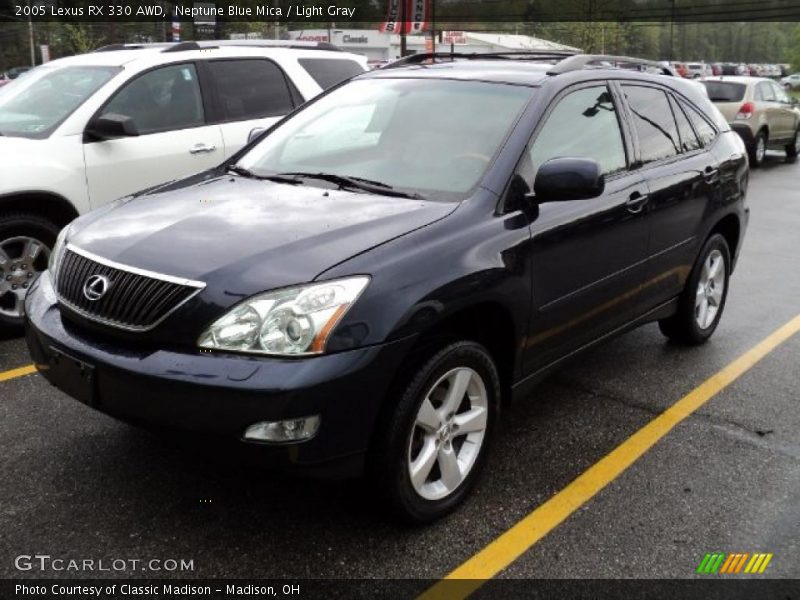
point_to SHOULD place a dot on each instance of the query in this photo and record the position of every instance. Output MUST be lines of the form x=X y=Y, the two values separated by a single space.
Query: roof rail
x=209 y=44
x=184 y=46
x=581 y=61
x=416 y=59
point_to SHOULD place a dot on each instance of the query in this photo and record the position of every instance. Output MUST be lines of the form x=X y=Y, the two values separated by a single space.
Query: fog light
x=291 y=430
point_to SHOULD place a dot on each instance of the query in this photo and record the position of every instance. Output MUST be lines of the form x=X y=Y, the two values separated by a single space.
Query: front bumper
x=222 y=394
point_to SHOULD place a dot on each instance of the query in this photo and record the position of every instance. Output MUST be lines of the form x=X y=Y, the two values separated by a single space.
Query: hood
x=249 y=235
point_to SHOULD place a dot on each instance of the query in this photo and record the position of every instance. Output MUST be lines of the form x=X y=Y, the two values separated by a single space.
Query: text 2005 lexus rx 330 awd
x=367 y=283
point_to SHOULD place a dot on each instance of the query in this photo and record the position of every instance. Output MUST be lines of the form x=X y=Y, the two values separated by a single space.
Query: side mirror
x=111 y=126
x=568 y=179
x=255 y=133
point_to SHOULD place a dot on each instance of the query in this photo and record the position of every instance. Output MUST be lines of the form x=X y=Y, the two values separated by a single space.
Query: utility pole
x=403 y=42
x=30 y=37
x=433 y=26
x=672 y=31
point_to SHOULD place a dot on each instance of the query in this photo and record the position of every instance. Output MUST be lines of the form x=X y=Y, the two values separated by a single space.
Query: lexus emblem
x=96 y=287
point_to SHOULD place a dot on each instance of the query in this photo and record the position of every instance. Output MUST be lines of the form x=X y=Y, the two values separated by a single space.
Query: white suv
x=79 y=132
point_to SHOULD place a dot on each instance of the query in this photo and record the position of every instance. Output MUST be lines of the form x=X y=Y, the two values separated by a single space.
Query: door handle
x=636 y=202
x=202 y=149
x=711 y=175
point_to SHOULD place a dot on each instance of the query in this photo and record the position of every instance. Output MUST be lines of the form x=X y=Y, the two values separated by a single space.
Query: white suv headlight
x=290 y=322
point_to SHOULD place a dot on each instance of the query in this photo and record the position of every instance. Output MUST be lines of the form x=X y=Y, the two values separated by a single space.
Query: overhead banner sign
x=414 y=19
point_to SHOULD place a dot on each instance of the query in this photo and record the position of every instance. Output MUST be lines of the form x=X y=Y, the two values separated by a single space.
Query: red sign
x=415 y=17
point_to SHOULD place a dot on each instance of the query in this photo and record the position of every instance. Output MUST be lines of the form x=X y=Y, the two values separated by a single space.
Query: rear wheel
x=793 y=149
x=431 y=448
x=703 y=299
x=758 y=149
x=25 y=243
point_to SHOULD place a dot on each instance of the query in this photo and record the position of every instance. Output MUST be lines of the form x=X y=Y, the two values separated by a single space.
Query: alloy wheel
x=761 y=148
x=448 y=433
x=22 y=259
x=710 y=290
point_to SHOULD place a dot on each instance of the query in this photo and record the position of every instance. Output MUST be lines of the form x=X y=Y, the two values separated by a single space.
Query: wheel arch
x=730 y=228
x=49 y=205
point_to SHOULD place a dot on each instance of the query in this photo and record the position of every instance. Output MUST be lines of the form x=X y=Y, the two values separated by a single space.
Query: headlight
x=289 y=322
x=58 y=251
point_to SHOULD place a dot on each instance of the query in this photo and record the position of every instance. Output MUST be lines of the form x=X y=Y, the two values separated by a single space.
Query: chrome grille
x=135 y=299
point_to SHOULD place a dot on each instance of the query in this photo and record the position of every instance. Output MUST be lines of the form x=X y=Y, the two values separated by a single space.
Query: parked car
x=15 y=72
x=698 y=70
x=681 y=69
x=760 y=111
x=361 y=288
x=791 y=82
x=79 y=132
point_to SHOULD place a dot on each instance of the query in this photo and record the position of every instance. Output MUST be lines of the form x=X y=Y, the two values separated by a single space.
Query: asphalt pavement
x=77 y=484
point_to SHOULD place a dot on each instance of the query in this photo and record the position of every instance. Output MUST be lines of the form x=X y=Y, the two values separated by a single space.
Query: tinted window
x=584 y=124
x=654 y=123
x=160 y=100
x=723 y=91
x=689 y=140
x=705 y=131
x=328 y=72
x=251 y=89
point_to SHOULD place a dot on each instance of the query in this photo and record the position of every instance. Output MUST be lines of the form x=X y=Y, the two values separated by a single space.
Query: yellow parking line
x=20 y=372
x=505 y=549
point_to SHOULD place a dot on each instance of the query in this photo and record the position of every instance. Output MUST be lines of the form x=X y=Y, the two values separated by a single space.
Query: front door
x=174 y=139
x=587 y=255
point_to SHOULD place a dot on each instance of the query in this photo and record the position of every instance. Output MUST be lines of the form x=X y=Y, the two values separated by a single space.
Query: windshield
x=719 y=91
x=418 y=135
x=34 y=105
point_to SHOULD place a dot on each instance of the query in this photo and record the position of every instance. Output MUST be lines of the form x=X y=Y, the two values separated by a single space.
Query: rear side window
x=764 y=92
x=705 y=131
x=583 y=124
x=689 y=140
x=654 y=123
x=724 y=91
x=250 y=89
x=327 y=72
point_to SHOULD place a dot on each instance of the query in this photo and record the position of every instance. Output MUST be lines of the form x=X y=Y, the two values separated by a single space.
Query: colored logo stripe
x=720 y=562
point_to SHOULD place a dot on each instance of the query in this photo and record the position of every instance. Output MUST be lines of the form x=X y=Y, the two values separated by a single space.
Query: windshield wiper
x=359 y=183
x=251 y=175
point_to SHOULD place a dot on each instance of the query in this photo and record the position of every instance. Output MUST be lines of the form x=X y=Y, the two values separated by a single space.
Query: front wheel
x=701 y=304
x=430 y=451
x=25 y=243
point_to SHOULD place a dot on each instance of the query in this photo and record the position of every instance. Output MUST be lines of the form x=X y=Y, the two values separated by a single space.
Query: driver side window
x=164 y=99
x=584 y=124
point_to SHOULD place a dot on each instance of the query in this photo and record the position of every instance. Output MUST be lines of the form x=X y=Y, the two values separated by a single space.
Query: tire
x=755 y=151
x=793 y=148
x=691 y=325
x=409 y=433
x=18 y=234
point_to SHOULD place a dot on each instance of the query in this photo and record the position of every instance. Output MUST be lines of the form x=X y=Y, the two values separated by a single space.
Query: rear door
x=787 y=111
x=682 y=176
x=175 y=138
x=248 y=93
x=587 y=255
x=768 y=105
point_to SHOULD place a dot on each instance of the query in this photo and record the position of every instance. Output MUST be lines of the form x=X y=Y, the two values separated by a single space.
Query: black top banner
x=375 y=11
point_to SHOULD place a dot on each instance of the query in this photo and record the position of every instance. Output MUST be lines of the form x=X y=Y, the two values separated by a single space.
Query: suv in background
x=760 y=111
x=363 y=288
x=81 y=131
x=698 y=70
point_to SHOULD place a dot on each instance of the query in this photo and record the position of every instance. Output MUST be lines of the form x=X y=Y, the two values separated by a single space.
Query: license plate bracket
x=72 y=376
